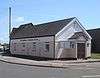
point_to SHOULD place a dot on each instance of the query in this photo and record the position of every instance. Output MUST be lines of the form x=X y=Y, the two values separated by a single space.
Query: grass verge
x=95 y=56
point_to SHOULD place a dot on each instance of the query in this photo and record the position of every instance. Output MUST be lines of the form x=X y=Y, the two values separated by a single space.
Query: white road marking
x=83 y=68
x=91 y=76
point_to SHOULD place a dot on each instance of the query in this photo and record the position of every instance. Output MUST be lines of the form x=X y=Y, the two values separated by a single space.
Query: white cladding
x=53 y=47
x=88 y=48
x=68 y=32
x=41 y=46
x=64 y=37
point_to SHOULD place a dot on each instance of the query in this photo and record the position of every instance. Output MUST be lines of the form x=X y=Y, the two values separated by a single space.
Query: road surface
x=86 y=70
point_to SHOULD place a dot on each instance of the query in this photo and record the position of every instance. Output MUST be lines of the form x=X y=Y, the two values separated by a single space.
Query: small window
x=23 y=50
x=34 y=42
x=47 y=47
x=46 y=42
x=23 y=45
x=72 y=45
x=34 y=46
x=23 y=40
x=88 y=44
x=61 y=45
x=35 y=39
x=30 y=39
x=14 y=48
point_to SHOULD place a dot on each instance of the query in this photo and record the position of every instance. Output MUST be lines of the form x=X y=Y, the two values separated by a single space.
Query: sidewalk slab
x=28 y=62
x=54 y=63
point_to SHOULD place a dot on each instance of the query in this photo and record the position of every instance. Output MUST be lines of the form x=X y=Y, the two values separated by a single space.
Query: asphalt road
x=86 y=70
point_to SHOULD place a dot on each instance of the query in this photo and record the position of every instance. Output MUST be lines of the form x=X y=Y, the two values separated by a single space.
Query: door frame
x=77 y=50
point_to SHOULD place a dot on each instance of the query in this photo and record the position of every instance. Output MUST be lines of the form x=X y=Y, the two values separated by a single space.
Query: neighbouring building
x=1 y=48
x=95 y=34
x=65 y=38
x=6 y=47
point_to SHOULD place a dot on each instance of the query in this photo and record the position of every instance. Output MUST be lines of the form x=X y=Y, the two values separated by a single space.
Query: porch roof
x=79 y=34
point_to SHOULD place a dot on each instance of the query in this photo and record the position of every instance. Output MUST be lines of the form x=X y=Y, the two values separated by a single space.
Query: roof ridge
x=26 y=24
x=44 y=29
x=93 y=29
x=54 y=21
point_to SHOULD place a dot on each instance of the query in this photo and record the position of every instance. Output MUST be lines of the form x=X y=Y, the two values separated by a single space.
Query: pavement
x=84 y=70
x=50 y=63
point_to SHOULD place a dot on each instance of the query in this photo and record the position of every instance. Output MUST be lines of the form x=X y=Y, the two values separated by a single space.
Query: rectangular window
x=64 y=44
x=14 y=48
x=15 y=44
x=47 y=47
x=34 y=42
x=23 y=40
x=88 y=44
x=34 y=46
x=30 y=39
x=72 y=45
x=23 y=50
x=67 y=44
x=23 y=44
x=61 y=44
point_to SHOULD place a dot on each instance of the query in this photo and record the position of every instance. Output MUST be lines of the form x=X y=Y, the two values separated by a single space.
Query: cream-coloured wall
x=33 y=46
x=88 y=49
x=68 y=53
x=66 y=34
x=64 y=50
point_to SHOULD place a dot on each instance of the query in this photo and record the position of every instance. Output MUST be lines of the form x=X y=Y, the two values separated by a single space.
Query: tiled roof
x=78 y=34
x=45 y=29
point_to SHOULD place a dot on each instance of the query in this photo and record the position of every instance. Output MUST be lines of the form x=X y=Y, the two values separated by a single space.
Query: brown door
x=80 y=50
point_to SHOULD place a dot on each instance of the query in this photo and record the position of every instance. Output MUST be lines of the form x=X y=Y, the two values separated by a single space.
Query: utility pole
x=9 y=25
x=9 y=21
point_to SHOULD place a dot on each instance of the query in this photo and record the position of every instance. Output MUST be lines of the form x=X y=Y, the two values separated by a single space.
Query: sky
x=41 y=11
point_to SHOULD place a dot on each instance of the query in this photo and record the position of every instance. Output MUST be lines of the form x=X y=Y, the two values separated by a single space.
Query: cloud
x=19 y=19
x=4 y=37
x=16 y=21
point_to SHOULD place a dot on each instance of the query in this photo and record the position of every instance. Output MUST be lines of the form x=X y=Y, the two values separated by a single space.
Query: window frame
x=47 y=46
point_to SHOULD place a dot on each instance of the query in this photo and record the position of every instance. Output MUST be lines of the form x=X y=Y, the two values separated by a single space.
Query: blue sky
x=40 y=11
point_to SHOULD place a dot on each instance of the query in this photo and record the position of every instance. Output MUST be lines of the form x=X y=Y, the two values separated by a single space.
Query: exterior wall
x=33 y=46
x=68 y=32
x=95 y=43
x=61 y=49
x=64 y=35
x=88 y=48
x=64 y=49
x=68 y=53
